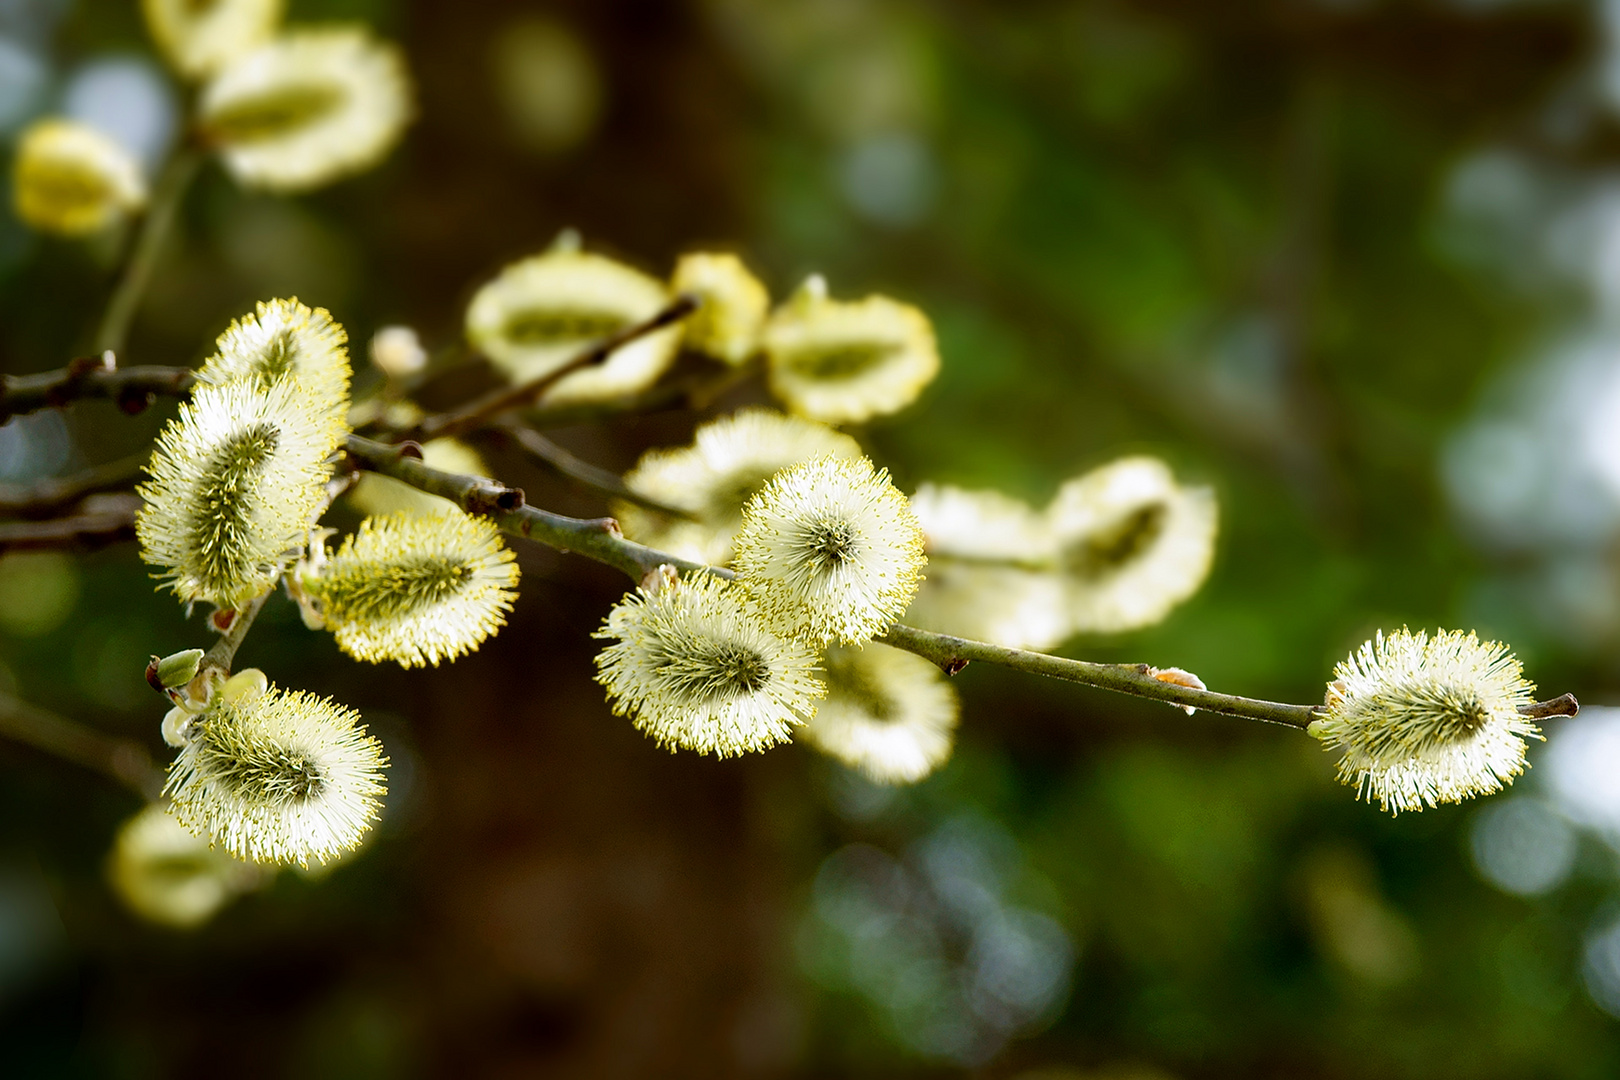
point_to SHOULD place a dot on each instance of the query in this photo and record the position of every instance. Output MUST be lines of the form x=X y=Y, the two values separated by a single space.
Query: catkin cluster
x=283 y=109
x=238 y=482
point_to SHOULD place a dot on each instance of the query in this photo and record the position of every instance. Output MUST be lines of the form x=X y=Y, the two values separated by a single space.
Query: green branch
x=601 y=540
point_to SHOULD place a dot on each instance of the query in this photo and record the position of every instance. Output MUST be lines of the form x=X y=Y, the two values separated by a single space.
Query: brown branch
x=47 y=497
x=598 y=538
x=107 y=520
x=695 y=391
x=548 y=453
x=131 y=389
x=125 y=760
x=481 y=411
x=1562 y=705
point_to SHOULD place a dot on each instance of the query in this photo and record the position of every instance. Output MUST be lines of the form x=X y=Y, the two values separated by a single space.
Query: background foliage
x=1354 y=262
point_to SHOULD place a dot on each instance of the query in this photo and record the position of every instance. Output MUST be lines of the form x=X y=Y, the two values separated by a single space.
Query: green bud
x=175 y=671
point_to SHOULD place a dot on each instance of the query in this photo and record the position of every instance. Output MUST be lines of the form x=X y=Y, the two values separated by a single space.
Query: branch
x=132 y=389
x=953 y=653
x=235 y=624
x=481 y=411
x=131 y=287
x=94 y=528
x=45 y=498
x=602 y=541
x=695 y=391
x=595 y=477
x=122 y=759
x=597 y=538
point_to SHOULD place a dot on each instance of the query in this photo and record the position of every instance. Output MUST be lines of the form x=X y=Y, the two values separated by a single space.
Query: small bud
x=1178 y=677
x=244 y=686
x=176 y=724
x=175 y=670
x=397 y=351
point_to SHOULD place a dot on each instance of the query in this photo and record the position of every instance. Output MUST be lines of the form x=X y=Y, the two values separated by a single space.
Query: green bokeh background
x=1220 y=233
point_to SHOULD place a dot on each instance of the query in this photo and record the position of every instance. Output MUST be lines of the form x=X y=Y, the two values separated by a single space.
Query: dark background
x=1321 y=255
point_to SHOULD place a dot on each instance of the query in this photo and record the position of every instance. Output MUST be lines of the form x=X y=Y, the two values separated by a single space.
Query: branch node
x=132 y=400
x=954 y=665
x=409 y=449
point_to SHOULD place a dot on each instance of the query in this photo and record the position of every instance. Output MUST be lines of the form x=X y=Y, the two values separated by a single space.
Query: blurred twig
x=48 y=496
x=480 y=412
x=89 y=377
x=109 y=520
x=126 y=295
x=122 y=759
x=548 y=453
x=696 y=391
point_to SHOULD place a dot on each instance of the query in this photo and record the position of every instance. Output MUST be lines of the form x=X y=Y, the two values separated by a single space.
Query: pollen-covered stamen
x=708 y=671
x=275 y=773
x=414 y=588
x=694 y=667
x=831 y=543
x=411 y=584
x=830 y=551
x=281 y=340
x=220 y=531
x=236 y=480
x=1423 y=721
x=280 y=353
x=278 y=777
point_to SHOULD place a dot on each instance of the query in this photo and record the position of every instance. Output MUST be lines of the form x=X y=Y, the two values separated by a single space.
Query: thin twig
x=109 y=520
x=953 y=653
x=219 y=657
x=1562 y=705
x=131 y=388
x=481 y=411
x=126 y=295
x=49 y=496
x=122 y=759
x=695 y=391
x=543 y=450
x=597 y=538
